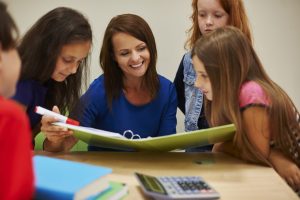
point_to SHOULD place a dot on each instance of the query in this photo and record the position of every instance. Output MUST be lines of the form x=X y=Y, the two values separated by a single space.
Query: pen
x=43 y=111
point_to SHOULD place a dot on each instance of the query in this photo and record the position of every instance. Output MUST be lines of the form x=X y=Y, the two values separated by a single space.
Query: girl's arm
x=256 y=124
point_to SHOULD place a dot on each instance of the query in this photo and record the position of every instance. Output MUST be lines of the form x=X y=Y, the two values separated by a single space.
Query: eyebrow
x=141 y=44
x=72 y=57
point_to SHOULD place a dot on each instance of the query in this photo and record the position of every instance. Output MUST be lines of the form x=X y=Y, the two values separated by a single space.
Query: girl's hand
x=286 y=168
x=56 y=136
x=290 y=172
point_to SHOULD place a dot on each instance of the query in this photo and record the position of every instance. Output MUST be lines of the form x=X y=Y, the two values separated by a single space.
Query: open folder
x=183 y=140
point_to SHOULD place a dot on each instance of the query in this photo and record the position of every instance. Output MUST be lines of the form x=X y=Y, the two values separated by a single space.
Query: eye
x=204 y=76
x=65 y=60
x=124 y=53
x=202 y=14
x=142 y=48
x=219 y=15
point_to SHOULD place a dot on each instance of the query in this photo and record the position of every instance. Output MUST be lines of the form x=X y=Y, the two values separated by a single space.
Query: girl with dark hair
x=54 y=54
x=130 y=95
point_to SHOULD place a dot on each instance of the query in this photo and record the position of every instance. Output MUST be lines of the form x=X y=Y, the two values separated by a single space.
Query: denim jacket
x=193 y=96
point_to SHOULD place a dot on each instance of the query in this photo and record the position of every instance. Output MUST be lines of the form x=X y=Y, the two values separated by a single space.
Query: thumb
x=55 y=109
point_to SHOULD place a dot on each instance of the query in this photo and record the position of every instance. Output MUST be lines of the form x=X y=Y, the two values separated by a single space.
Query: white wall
x=275 y=25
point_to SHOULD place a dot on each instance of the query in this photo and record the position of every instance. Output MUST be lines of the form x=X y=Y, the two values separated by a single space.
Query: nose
x=73 y=67
x=198 y=84
x=135 y=56
x=209 y=20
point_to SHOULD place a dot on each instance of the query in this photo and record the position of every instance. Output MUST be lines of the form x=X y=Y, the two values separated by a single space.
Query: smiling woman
x=56 y=65
x=129 y=95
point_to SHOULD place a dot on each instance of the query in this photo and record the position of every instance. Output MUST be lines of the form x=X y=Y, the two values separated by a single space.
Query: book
x=63 y=179
x=181 y=140
x=116 y=191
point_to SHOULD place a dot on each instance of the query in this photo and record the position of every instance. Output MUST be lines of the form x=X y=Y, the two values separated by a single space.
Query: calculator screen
x=152 y=184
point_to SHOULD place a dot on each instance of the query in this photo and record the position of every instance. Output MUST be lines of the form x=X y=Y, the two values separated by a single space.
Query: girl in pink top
x=238 y=90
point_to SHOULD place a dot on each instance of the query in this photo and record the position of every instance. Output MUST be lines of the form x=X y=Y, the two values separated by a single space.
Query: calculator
x=176 y=187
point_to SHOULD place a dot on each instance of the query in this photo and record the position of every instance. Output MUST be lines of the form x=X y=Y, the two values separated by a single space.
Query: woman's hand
x=57 y=138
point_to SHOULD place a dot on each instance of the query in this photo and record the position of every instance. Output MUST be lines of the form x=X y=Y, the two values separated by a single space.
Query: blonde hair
x=230 y=61
x=237 y=17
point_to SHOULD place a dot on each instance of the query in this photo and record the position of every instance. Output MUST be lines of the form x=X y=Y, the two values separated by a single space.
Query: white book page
x=89 y=130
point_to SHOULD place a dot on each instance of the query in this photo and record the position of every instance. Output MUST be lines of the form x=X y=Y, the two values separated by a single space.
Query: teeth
x=138 y=65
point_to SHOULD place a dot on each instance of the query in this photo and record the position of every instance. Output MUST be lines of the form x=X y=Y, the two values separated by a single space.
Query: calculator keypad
x=185 y=185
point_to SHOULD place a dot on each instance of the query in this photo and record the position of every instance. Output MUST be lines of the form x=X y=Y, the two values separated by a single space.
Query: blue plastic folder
x=62 y=179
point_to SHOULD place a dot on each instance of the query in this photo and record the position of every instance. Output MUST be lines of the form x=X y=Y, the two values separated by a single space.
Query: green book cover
x=116 y=191
x=181 y=140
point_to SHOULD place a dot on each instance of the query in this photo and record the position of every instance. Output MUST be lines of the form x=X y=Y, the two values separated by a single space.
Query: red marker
x=43 y=111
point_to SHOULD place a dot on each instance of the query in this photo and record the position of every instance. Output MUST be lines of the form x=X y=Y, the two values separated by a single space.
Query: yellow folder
x=181 y=140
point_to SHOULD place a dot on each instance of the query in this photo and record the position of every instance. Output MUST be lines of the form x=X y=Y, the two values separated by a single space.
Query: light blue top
x=155 y=118
x=193 y=96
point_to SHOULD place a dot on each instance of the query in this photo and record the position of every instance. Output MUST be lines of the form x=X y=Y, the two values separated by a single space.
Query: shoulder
x=165 y=83
x=97 y=83
x=97 y=86
x=187 y=55
x=29 y=84
x=28 y=90
x=252 y=93
x=167 y=89
x=95 y=91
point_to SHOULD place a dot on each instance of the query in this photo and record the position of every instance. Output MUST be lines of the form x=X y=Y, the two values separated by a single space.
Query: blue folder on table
x=63 y=179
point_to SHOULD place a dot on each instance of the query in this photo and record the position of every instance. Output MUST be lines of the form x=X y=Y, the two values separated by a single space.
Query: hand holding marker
x=42 y=111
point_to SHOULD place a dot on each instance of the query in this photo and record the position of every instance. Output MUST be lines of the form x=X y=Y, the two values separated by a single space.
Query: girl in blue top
x=54 y=54
x=130 y=95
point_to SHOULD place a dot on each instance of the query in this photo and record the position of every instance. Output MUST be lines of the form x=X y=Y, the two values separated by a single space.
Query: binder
x=181 y=140
x=63 y=179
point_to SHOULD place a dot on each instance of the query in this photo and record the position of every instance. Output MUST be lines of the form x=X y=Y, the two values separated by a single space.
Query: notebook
x=117 y=191
x=183 y=140
x=63 y=179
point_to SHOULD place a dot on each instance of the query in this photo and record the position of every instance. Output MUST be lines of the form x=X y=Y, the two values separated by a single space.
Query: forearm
x=277 y=158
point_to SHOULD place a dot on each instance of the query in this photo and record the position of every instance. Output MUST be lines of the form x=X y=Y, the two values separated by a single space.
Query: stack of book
x=63 y=179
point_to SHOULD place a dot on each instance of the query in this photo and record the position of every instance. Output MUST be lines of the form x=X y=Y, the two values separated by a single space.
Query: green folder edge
x=163 y=143
x=115 y=187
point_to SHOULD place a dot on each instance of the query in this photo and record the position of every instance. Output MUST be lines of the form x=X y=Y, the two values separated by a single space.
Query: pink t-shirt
x=252 y=93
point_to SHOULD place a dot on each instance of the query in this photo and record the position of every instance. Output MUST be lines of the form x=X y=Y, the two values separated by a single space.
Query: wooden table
x=232 y=178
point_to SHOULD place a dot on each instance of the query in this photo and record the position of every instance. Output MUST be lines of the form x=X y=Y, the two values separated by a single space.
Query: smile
x=137 y=65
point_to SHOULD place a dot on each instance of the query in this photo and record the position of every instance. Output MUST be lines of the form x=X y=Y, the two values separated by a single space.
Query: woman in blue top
x=130 y=95
x=54 y=54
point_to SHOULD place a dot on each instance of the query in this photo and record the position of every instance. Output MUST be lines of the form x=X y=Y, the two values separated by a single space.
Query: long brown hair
x=230 y=61
x=237 y=17
x=45 y=39
x=137 y=27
